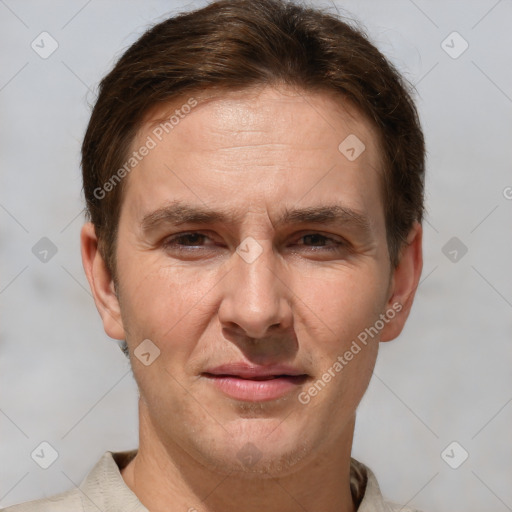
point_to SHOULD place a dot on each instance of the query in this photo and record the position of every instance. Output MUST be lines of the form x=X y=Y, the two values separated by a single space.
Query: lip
x=255 y=383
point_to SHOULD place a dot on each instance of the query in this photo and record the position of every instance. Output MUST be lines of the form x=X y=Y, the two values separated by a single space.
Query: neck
x=166 y=478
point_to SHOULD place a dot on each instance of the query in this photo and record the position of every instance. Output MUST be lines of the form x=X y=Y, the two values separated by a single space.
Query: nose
x=256 y=302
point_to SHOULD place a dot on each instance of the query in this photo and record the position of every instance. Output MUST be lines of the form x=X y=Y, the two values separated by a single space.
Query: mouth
x=297 y=378
x=256 y=388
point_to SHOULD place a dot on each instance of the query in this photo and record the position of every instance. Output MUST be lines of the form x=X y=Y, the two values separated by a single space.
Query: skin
x=252 y=154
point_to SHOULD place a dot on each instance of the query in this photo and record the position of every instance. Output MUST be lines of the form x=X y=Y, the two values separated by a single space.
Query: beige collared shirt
x=104 y=490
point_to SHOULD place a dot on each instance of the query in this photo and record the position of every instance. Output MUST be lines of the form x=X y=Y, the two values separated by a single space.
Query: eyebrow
x=177 y=213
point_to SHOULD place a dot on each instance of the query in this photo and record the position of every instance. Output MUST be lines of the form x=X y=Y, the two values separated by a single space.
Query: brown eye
x=318 y=240
x=315 y=239
x=189 y=239
x=186 y=241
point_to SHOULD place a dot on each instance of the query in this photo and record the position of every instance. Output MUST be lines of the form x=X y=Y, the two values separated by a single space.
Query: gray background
x=447 y=378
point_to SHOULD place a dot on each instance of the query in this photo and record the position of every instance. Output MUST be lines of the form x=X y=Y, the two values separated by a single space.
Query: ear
x=403 y=284
x=101 y=283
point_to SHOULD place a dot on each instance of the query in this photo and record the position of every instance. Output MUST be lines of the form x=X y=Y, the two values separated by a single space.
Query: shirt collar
x=104 y=488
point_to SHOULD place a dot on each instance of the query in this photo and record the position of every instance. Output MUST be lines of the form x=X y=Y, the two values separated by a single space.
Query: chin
x=259 y=465
x=257 y=453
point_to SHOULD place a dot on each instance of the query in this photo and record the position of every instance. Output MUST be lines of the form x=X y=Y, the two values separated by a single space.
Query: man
x=253 y=173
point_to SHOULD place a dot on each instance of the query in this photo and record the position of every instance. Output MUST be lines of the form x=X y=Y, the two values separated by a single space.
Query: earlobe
x=404 y=282
x=101 y=283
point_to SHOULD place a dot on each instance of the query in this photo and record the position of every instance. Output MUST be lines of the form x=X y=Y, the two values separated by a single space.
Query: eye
x=318 y=241
x=186 y=241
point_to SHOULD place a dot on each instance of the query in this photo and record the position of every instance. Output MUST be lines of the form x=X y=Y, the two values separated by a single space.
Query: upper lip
x=247 y=371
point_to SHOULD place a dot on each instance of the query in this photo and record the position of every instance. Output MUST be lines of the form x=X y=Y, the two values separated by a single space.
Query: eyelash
x=171 y=241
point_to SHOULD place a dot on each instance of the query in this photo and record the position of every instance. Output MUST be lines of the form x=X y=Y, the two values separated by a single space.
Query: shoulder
x=64 y=502
x=102 y=489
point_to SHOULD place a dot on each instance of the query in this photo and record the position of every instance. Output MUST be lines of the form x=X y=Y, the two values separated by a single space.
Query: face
x=252 y=254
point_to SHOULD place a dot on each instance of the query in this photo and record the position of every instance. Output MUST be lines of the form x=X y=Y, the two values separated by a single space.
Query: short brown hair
x=237 y=44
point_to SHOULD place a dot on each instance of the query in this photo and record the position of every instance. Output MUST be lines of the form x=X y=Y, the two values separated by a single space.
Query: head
x=253 y=173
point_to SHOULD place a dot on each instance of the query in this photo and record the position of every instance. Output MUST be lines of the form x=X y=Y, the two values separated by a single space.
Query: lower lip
x=256 y=390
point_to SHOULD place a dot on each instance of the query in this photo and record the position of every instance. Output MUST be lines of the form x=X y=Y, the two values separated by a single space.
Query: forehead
x=281 y=112
x=264 y=143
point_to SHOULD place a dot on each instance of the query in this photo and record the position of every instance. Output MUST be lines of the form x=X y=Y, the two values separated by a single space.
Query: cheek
x=334 y=319
x=165 y=304
x=342 y=303
x=333 y=323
